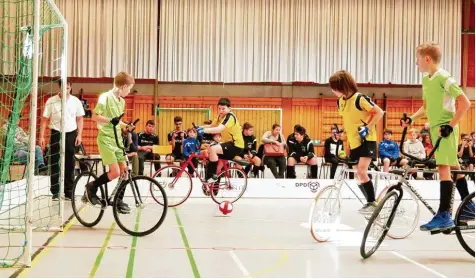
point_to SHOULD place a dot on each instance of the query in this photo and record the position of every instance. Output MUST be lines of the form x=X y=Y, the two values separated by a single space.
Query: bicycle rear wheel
x=326 y=213
x=407 y=215
x=176 y=182
x=87 y=214
x=379 y=224
x=465 y=224
x=230 y=186
x=146 y=213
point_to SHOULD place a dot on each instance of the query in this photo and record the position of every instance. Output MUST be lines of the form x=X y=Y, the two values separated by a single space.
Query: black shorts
x=393 y=160
x=176 y=156
x=368 y=149
x=230 y=151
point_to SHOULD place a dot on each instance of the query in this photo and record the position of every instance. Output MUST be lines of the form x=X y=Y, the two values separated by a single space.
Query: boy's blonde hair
x=430 y=49
x=123 y=78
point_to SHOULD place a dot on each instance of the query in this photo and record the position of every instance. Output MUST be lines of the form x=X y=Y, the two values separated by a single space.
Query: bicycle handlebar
x=422 y=161
x=115 y=132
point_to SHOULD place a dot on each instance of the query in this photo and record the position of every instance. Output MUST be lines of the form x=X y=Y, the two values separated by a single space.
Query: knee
x=312 y=161
x=291 y=161
x=386 y=161
x=114 y=172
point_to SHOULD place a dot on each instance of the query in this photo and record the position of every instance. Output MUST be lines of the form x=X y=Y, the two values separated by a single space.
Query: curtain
x=110 y=36
x=304 y=40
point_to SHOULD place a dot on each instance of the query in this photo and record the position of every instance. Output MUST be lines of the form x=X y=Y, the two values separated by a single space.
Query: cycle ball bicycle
x=140 y=192
x=382 y=219
x=178 y=182
x=326 y=210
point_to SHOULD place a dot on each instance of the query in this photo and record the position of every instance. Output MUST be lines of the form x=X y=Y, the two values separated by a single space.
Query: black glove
x=446 y=130
x=116 y=120
x=405 y=119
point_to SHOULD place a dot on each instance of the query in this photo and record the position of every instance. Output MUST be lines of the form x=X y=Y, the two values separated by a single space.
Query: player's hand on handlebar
x=405 y=121
x=114 y=121
x=446 y=130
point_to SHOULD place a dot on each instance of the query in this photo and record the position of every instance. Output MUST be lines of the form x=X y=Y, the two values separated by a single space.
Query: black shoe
x=123 y=208
x=90 y=196
x=55 y=197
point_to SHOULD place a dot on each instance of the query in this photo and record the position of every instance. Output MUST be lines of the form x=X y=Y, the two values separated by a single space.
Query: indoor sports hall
x=238 y=138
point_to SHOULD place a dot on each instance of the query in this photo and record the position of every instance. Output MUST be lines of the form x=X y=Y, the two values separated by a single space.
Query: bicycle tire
x=394 y=234
x=170 y=197
x=74 y=203
x=121 y=189
x=214 y=193
x=459 y=214
x=372 y=221
x=333 y=227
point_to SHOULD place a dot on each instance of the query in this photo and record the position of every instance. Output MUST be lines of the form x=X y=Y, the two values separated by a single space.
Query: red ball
x=226 y=207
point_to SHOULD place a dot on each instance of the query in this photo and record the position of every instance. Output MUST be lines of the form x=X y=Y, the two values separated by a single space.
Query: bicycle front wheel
x=176 y=182
x=145 y=214
x=326 y=213
x=465 y=224
x=407 y=215
x=87 y=214
x=379 y=224
x=230 y=186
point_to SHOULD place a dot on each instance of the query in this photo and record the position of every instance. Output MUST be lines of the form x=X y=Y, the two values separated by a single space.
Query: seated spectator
x=147 y=139
x=191 y=145
x=466 y=152
x=426 y=129
x=301 y=150
x=175 y=138
x=330 y=150
x=389 y=152
x=275 y=137
x=249 y=152
x=413 y=146
x=426 y=140
x=131 y=144
x=21 y=146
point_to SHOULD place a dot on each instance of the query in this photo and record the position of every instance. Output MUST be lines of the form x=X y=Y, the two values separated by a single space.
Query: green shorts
x=109 y=151
x=447 y=152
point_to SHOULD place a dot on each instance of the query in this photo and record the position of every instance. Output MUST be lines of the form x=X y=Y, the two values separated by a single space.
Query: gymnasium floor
x=261 y=238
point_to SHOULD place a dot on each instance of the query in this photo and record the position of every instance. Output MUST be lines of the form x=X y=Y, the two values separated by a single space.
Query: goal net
x=33 y=36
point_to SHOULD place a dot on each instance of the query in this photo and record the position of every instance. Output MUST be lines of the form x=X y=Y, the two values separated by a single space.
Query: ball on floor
x=225 y=207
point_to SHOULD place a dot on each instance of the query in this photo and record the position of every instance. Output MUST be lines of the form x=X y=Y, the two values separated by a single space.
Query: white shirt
x=74 y=108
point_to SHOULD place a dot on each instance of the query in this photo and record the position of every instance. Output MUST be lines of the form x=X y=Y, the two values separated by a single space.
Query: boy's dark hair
x=275 y=125
x=296 y=126
x=190 y=130
x=387 y=131
x=207 y=122
x=247 y=125
x=177 y=119
x=343 y=82
x=150 y=122
x=224 y=102
x=300 y=130
x=472 y=134
x=68 y=81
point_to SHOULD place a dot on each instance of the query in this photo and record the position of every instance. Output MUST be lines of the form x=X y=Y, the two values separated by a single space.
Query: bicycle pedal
x=447 y=231
x=435 y=232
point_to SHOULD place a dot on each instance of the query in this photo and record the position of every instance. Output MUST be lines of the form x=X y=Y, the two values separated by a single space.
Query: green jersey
x=439 y=93
x=109 y=106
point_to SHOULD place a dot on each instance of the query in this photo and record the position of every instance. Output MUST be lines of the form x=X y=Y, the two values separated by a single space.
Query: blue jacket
x=388 y=149
x=190 y=145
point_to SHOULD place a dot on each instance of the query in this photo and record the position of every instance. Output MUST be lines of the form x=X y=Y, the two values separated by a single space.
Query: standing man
x=73 y=128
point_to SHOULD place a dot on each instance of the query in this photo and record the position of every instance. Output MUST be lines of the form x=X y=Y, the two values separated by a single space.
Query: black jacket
x=301 y=149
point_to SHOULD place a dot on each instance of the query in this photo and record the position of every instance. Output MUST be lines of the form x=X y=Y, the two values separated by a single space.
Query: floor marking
x=40 y=254
x=240 y=265
x=308 y=269
x=101 y=252
x=418 y=264
x=191 y=259
x=132 y=253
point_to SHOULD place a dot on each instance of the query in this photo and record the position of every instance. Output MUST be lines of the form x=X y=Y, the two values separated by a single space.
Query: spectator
x=332 y=146
x=389 y=152
x=175 y=138
x=413 y=146
x=73 y=129
x=275 y=137
x=249 y=152
x=21 y=146
x=191 y=145
x=147 y=140
x=466 y=152
x=131 y=144
x=426 y=140
x=301 y=150
x=425 y=130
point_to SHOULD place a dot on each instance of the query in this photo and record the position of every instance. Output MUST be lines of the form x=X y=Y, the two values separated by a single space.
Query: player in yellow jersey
x=360 y=115
x=226 y=122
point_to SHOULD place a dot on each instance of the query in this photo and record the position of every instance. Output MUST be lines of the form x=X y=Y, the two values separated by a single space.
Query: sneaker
x=368 y=208
x=123 y=208
x=441 y=221
x=55 y=197
x=468 y=212
x=90 y=196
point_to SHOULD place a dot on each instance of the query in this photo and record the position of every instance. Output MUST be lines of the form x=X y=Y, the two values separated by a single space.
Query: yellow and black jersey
x=232 y=127
x=355 y=110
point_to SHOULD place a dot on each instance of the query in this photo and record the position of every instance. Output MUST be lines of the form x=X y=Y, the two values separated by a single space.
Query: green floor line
x=101 y=252
x=193 y=264
x=132 y=254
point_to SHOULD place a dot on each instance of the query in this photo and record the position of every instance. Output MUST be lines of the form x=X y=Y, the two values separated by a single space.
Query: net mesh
x=16 y=82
